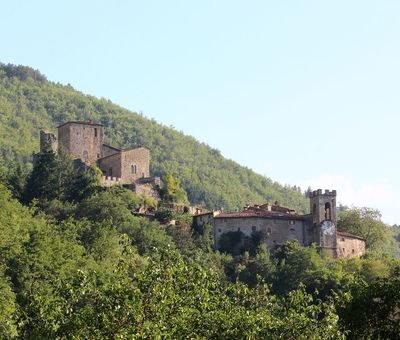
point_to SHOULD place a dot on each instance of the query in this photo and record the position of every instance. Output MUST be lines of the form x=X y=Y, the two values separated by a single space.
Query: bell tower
x=323 y=212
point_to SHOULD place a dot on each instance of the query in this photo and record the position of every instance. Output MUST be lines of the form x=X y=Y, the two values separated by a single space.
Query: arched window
x=133 y=169
x=85 y=156
x=328 y=211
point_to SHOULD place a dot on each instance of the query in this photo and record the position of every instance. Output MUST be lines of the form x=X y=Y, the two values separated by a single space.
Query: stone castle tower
x=323 y=212
x=83 y=140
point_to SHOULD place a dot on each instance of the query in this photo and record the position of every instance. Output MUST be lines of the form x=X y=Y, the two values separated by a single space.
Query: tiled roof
x=344 y=234
x=80 y=122
x=111 y=147
x=261 y=214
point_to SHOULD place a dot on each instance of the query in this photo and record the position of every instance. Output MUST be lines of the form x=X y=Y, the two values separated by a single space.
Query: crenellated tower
x=323 y=212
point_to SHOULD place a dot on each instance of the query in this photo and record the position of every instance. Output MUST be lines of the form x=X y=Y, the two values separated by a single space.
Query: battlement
x=319 y=192
x=108 y=181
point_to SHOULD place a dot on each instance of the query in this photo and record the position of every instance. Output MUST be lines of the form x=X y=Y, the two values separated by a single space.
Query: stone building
x=279 y=224
x=84 y=141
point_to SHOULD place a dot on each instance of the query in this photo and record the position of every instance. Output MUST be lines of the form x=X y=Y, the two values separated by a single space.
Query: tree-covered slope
x=29 y=102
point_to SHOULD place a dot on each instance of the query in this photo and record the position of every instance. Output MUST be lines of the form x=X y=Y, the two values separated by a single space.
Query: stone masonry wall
x=276 y=231
x=139 y=159
x=111 y=165
x=81 y=140
x=350 y=247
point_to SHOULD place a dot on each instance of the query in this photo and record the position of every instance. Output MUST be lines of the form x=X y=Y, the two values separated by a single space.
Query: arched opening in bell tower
x=328 y=215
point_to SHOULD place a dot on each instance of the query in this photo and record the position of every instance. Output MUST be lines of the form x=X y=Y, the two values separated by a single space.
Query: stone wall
x=135 y=164
x=82 y=140
x=275 y=231
x=148 y=190
x=111 y=166
x=348 y=246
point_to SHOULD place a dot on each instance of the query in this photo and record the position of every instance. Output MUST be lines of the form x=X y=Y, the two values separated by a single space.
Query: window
x=327 y=211
x=343 y=239
x=253 y=228
x=344 y=250
x=110 y=172
x=133 y=169
x=95 y=132
x=352 y=251
x=269 y=231
x=142 y=174
x=292 y=222
x=219 y=230
x=98 y=155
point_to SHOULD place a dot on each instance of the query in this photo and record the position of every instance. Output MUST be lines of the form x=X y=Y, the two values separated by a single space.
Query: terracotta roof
x=204 y=213
x=136 y=147
x=81 y=122
x=344 y=234
x=261 y=214
x=118 y=153
x=111 y=147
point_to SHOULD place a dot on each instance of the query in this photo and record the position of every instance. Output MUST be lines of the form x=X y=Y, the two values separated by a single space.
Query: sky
x=304 y=92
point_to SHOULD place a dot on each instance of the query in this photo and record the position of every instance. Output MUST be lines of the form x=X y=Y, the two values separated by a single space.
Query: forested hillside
x=28 y=102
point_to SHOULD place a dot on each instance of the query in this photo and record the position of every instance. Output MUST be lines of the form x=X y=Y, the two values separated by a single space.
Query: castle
x=278 y=224
x=84 y=142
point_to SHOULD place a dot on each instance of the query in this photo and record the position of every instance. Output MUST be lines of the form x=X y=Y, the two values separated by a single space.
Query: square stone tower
x=82 y=140
x=323 y=212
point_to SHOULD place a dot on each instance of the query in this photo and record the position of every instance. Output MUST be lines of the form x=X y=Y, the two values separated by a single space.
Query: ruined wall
x=82 y=140
x=276 y=231
x=135 y=164
x=111 y=166
x=47 y=138
x=349 y=246
x=148 y=190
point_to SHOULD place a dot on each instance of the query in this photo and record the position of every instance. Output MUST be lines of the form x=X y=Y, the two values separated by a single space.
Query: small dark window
x=98 y=155
x=344 y=250
x=269 y=231
x=133 y=169
x=110 y=172
x=95 y=132
x=219 y=230
x=352 y=251
x=343 y=239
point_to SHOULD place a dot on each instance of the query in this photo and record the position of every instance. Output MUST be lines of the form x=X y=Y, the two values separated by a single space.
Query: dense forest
x=29 y=102
x=78 y=262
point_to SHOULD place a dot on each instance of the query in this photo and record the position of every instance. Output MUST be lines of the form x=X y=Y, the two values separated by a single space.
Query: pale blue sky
x=305 y=92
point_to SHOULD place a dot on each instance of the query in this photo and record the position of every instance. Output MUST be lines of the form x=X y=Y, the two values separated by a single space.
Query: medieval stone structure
x=84 y=141
x=278 y=225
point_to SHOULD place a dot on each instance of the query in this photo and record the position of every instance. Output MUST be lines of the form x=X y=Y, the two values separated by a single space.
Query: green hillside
x=28 y=102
